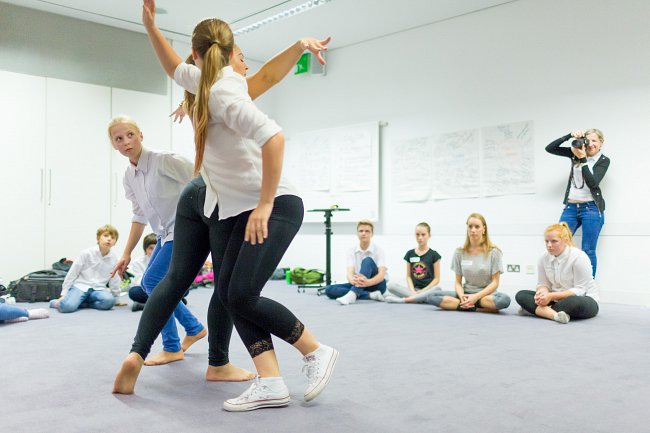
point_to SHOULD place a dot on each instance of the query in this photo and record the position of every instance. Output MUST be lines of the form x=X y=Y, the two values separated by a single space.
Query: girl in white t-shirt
x=241 y=208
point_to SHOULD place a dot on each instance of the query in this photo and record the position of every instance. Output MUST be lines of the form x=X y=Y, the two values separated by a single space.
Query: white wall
x=564 y=64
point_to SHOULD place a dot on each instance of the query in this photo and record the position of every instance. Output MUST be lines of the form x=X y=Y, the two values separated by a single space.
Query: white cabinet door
x=151 y=113
x=22 y=193
x=77 y=159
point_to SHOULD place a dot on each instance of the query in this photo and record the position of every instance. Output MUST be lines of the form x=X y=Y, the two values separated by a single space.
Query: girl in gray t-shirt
x=478 y=265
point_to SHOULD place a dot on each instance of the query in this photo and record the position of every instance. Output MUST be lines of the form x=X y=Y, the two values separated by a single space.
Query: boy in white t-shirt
x=89 y=283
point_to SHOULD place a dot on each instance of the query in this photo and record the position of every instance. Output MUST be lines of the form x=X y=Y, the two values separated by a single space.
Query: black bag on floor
x=39 y=286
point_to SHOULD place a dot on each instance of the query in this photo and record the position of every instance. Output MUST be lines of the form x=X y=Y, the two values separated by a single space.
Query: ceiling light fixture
x=280 y=16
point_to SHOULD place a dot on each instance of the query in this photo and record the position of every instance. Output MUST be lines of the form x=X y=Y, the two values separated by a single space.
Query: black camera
x=579 y=142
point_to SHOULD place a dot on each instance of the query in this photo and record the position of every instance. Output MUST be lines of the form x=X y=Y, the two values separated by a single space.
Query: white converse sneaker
x=257 y=396
x=561 y=317
x=348 y=298
x=376 y=296
x=318 y=367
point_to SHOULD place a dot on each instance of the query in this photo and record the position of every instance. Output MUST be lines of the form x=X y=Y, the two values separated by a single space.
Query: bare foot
x=163 y=358
x=191 y=339
x=228 y=373
x=128 y=374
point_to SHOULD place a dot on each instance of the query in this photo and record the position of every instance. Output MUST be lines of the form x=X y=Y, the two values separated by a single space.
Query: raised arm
x=167 y=57
x=554 y=147
x=274 y=70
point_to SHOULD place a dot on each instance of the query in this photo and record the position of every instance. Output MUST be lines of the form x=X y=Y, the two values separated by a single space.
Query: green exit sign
x=303 y=64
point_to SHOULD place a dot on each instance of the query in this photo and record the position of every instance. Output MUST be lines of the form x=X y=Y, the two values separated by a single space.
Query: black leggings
x=195 y=236
x=578 y=307
x=246 y=268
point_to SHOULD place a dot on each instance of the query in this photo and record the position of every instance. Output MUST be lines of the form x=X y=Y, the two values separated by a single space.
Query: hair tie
x=212 y=43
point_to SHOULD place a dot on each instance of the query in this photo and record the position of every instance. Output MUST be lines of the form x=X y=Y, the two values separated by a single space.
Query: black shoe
x=137 y=306
x=184 y=301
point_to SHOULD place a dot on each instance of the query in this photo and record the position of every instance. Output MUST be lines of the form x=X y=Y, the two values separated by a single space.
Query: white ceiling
x=348 y=21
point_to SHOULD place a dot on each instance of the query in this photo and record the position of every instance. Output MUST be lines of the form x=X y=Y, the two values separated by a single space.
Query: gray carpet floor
x=402 y=368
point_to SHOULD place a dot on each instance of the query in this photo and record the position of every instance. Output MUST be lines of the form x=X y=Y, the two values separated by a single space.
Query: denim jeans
x=591 y=219
x=368 y=269
x=97 y=299
x=156 y=271
x=10 y=312
x=137 y=294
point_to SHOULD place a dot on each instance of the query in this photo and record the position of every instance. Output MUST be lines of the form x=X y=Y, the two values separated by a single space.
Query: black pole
x=328 y=247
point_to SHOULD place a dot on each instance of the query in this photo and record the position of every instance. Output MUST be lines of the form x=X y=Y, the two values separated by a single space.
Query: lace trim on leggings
x=260 y=347
x=296 y=333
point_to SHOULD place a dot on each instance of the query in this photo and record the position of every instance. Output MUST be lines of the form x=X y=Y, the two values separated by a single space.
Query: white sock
x=38 y=313
x=348 y=298
x=275 y=384
x=17 y=320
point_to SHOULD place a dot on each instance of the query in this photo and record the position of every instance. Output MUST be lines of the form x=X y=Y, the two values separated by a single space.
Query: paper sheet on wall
x=308 y=162
x=456 y=165
x=508 y=159
x=353 y=162
x=410 y=166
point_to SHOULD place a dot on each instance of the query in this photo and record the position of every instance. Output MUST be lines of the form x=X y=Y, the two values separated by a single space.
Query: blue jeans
x=137 y=294
x=591 y=219
x=97 y=299
x=156 y=271
x=369 y=270
x=10 y=312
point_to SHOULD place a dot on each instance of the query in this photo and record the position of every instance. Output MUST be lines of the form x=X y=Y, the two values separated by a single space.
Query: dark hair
x=150 y=239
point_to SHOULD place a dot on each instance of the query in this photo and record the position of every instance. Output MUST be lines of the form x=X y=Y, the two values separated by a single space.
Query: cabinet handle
x=49 y=194
x=115 y=189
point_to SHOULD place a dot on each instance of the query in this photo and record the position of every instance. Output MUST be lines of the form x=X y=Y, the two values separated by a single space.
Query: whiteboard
x=336 y=166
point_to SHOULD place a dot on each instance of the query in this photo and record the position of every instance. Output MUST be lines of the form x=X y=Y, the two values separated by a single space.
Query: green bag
x=306 y=276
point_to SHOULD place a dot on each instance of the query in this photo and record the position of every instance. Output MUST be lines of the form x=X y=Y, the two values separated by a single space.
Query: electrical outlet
x=530 y=269
x=512 y=268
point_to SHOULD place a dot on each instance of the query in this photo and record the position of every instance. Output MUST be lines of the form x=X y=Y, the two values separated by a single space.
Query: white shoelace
x=253 y=392
x=310 y=369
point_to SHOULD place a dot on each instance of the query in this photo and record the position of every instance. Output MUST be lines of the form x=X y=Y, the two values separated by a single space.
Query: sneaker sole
x=326 y=378
x=260 y=404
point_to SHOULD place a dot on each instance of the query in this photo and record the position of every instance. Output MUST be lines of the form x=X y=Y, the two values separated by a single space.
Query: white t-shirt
x=154 y=187
x=237 y=130
x=91 y=270
x=571 y=271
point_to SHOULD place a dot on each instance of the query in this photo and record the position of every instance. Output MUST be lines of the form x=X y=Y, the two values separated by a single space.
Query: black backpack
x=39 y=286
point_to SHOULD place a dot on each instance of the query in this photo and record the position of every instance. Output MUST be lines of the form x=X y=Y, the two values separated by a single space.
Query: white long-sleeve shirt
x=137 y=268
x=91 y=270
x=237 y=130
x=571 y=271
x=154 y=187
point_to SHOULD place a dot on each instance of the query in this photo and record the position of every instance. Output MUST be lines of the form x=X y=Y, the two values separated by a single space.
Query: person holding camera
x=583 y=199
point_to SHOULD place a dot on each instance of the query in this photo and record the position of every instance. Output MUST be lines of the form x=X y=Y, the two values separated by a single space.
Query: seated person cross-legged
x=479 y=263
x=88 y=283
x=566 y=289
x=366 y=270
x=422 y=271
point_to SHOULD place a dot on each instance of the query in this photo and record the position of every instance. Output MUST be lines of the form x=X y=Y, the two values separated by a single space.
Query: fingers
x=317 y=47
x=256 y=231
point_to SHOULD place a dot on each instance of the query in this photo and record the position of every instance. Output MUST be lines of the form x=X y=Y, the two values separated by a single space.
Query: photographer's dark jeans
x=591 y=219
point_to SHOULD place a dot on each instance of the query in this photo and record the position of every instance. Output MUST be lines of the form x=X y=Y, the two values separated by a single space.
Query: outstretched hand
x=316 y=47
x=179 y=114
x=148 y=13
x=121 y=267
